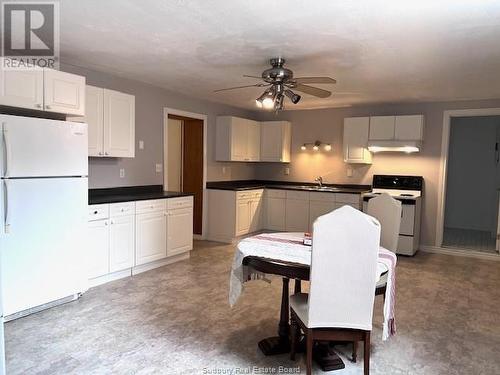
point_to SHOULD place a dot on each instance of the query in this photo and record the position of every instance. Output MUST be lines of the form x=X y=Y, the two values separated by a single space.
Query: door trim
x=199 y=116
x=445 y=143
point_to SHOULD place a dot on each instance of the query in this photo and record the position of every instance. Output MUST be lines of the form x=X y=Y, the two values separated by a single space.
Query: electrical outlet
x=141 y=145
x=287 y=171
x=122 y=172
x=224 y=170
x=158 y=167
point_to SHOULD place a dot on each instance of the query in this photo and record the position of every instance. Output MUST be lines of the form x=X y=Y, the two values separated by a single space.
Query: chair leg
x=309 y=351
x=354 y=351
x=366 y=358
x=293 y=338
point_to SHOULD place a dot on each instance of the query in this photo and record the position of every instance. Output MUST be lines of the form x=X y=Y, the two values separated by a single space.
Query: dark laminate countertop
x=282 y=185
x=131 y=193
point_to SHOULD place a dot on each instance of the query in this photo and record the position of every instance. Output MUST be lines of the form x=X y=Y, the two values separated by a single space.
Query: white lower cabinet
x=122 y=236
x=98 y=248
x=151 y=237
x=297 y=215
x=317 y=209
x=121 y=243
x=242 y=216
x=275 y=210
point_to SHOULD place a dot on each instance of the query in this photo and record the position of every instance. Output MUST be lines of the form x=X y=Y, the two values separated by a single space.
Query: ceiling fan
x=280 y=83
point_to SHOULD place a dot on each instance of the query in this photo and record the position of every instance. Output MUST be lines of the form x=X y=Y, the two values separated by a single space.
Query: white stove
x=408 y=190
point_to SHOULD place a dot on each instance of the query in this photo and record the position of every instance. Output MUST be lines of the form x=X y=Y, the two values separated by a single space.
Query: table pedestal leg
x=279 y=344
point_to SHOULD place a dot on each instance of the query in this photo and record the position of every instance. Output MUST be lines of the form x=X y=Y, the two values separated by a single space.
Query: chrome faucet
x=319 y=180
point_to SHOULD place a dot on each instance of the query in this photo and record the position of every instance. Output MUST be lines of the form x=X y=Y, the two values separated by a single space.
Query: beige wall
x=327 y=124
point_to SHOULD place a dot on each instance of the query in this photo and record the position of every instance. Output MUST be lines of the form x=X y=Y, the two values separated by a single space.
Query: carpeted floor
x=176 y=320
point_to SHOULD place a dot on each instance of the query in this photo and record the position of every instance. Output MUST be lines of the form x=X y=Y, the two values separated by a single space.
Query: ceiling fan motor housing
x=277 y=73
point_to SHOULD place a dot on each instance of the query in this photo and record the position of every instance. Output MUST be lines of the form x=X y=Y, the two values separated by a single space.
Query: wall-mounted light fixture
x=316 y=146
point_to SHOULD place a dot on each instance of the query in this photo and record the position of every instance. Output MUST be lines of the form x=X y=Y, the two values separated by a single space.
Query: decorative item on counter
x=308 y=240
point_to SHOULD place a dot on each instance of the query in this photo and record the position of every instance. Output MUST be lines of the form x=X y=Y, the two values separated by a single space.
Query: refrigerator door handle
x=6 y=207
x=6 y=148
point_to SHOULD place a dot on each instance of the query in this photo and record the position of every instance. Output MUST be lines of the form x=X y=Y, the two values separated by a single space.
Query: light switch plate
x=287 y=171
x=141 y=145
x=158 y=167
x=122 y=172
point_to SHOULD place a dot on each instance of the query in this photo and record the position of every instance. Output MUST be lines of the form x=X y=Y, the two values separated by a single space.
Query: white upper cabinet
x=409 y=128
x=119 y=124
x=238 y=139
x=43 y=90
x=94 y=117
x=275 y=141
x=21 y=88
x=64 y=92
x=355 y=144
x=397 y=128
x=382 y=128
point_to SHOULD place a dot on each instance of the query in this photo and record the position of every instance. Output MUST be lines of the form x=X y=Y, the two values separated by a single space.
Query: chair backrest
x=343 y=269
x=387 y=211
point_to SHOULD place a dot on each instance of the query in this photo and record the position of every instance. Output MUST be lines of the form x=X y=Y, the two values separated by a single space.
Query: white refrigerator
x=43 y=198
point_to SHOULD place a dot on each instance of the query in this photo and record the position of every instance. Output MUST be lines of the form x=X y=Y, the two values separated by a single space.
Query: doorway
x=473 y=180
x=185 y=160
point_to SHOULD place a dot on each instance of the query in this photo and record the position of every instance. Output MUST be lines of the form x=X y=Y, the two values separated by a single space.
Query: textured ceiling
x=379 y=51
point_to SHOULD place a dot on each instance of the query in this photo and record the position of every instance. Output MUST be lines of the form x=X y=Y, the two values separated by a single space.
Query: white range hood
x=394 y=146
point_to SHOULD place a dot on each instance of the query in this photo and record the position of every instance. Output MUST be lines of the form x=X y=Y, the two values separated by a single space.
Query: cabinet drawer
x=249 y=194
x=300 y=195
x=182 y=202
x=122 y=209
x=150 y=206
x=347 y=198
x=322 y=197
x=98 y=212
x=272 y=193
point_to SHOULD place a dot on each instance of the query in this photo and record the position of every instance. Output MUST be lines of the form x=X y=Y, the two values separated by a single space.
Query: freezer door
x=42 y=249
x=32 y=147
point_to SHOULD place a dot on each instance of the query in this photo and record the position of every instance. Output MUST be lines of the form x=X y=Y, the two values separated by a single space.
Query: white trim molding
x=447 y=116
x=199 y=116
x=460 y=252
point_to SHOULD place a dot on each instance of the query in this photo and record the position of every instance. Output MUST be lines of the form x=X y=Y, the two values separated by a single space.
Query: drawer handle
x=122 y=210
x=96 y=212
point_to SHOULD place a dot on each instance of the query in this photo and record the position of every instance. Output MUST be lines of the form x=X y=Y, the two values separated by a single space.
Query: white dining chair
x=339 y=305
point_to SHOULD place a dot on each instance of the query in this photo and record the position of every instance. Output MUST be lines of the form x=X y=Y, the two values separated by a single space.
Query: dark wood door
x=192 y=168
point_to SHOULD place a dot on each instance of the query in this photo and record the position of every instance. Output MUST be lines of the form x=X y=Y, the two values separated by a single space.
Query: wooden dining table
x=324 y=355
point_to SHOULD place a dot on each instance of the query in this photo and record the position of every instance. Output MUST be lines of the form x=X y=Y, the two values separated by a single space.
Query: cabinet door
x=297 y=215
x=98 y=248
x=356 y=131
x=151 y=237
x=239 y=139
x=271 y=147
x=21 y=88
x=242 y=216
x=119 y=124
x=275 y=214
x=382 y=128
x=180 y=231
x=409 y=128
x=64 y=92
x=317 y=209
x=121 y=243
x=253 y=141
x=255 y=214
x=94 y=118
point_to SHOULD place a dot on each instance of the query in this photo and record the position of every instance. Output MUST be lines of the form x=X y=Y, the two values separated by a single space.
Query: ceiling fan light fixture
x=295 y=98
x=268 y=103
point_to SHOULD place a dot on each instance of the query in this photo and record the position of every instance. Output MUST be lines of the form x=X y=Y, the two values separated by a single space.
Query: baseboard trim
x=110 y=277
x=160 y=263
x=459 y=252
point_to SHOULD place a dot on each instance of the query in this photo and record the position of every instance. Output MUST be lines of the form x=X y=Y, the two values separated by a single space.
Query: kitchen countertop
x=131 y=193
x=239 y=185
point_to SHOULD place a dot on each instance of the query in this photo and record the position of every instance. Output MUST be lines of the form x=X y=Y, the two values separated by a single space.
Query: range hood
x=394 y=146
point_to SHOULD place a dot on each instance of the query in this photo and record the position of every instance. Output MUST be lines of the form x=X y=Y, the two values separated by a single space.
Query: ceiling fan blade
x=242 y=87
x=247 y=76
x=314 y=91
x=314 y=80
